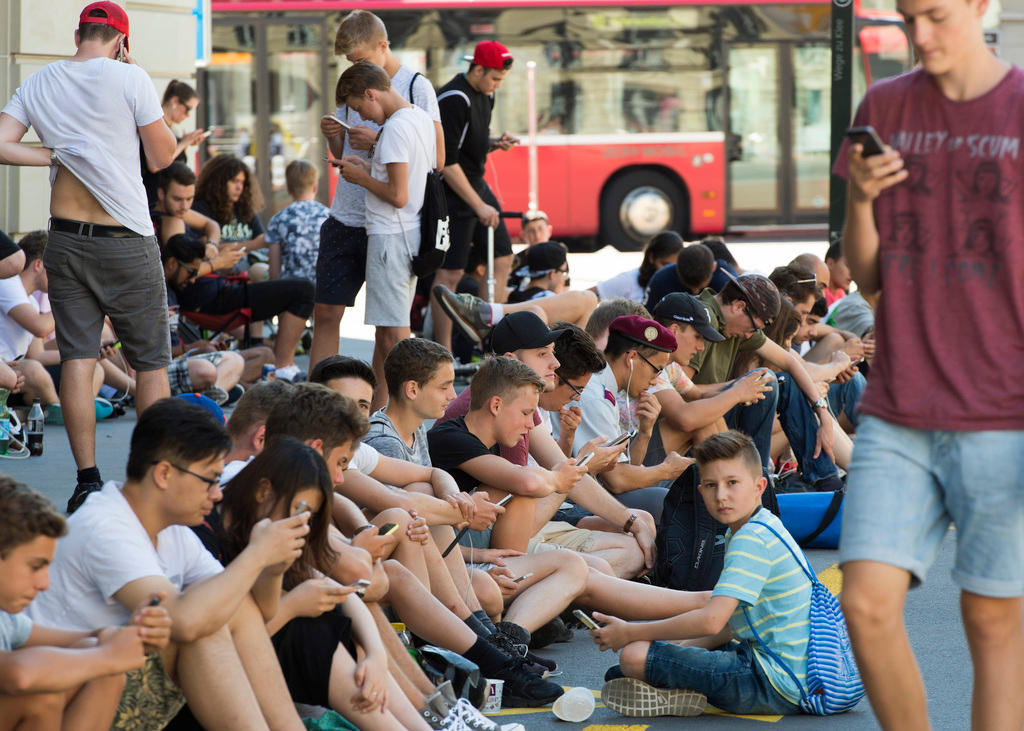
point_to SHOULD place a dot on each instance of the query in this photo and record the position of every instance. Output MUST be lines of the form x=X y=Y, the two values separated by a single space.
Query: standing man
x=466 y=103
x=941 y=439
x=90 y=111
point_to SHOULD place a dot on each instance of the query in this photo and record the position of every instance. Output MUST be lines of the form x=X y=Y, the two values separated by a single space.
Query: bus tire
x=640 y=203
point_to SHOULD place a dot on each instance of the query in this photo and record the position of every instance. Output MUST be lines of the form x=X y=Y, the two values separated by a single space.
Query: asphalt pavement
x=932 y=614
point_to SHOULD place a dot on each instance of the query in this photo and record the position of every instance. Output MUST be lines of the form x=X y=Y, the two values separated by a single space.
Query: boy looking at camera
x=761 y=580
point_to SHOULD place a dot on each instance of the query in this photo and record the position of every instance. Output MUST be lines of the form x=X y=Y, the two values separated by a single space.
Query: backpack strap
x=411 y=100
x=782 y=663
x=826 y=520
x=803 y=564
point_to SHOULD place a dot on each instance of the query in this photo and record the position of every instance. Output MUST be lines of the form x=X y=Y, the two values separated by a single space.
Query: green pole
x=842 y=97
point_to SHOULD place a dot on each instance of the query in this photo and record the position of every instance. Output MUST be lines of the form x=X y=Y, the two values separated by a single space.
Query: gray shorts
x=122 y=278
x=390 y=284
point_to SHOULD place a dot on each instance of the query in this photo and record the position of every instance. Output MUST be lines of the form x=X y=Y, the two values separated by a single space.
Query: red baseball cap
x=490 y=55
x=110 y=14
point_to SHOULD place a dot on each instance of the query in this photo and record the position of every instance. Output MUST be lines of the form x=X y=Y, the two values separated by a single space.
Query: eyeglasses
x=563 y=272
x=192 y=271
x=656 y=369
x=575 y=390
x=210 y=481
x=767 y=323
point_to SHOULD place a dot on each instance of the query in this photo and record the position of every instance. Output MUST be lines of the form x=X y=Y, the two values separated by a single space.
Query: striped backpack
x=833 y=681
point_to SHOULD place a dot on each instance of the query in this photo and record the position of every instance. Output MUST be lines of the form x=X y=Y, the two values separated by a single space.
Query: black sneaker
x=513 y=649
x=523 y=689
x=553 y=631
x=82 y=491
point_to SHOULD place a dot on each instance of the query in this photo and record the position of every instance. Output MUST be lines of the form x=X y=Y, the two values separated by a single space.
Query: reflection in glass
x=811 y=126
x=230 y=92
x=753 y=85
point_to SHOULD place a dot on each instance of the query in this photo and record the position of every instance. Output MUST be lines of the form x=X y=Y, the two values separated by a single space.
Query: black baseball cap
x=545 y=257
x=521 y=331
x=683 y=307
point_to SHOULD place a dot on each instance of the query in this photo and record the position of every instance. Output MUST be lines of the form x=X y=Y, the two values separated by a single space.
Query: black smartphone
x=868 y=138
x=387 y=529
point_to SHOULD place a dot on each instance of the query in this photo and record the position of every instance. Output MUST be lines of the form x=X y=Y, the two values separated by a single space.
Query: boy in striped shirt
x=719 y=661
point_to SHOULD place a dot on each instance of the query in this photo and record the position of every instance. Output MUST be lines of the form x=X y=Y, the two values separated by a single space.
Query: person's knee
x=202 y=373
x=231 y=364
x=40 y=708
x=990 y=621
x=324 y=314
x=394 y=515
x=633 y=659
x=869 y=604
x=573 y=572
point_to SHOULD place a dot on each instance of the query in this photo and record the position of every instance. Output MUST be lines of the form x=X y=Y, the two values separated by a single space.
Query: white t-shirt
x=15 y=629
x=407 y=137
x=622 y=285
x=90 y=112
x=349 y=204
x=599 y=411
x=106 y=547
x=365 y=460
x=14 y=339
x=232 y=468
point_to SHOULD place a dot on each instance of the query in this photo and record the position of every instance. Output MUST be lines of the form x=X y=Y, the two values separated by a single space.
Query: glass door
x=754 y=119
x=811 y=128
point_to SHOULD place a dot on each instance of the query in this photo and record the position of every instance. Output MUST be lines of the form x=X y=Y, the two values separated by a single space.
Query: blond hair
x=359 y=29
x=300 y=176
x=502 y=376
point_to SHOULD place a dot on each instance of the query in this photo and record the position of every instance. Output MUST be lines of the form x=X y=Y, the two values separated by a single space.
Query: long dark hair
x=667 y=243
x=287 y=466
x=212 y=187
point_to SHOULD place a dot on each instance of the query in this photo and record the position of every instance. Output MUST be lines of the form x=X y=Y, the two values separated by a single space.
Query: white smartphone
x=335 y=119
x=582 y=461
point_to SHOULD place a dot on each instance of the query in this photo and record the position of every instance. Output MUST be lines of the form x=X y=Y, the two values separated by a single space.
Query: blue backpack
x=833 y=681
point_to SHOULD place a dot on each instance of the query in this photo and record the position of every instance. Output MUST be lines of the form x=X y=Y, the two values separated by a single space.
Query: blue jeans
x=844 y=398
x=730 y=676
x=801 y=427
x=756 y=421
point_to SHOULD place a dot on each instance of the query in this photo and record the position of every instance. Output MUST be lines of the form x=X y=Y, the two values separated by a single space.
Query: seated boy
x=247 y=425
x=52 y=678
x=293 y=233
x=761 y=585
x=128 y=543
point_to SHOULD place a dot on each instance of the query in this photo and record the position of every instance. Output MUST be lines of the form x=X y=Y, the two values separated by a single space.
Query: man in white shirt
x=90 y=111
x=395 y=182
x=130 y=543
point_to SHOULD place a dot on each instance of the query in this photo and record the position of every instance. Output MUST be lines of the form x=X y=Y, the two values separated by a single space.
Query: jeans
x=801 y=427
x=756 y=421
x=844 y=398
x=730 y=676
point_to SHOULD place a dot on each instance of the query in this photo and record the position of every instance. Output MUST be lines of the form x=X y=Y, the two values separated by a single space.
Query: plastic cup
x=493 y=702
x=574 y=705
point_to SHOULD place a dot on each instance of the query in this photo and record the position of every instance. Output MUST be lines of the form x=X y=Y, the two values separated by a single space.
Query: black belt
x=95 y=230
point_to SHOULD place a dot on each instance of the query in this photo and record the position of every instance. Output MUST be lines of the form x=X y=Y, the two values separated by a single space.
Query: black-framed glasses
x=655 y=368
x=575 y=390
x=750 y=316
x=210 y=481
x=563 y=272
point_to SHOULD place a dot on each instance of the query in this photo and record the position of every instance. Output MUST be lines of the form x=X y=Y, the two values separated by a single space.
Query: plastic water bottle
x=34 y=429
x=5 y=421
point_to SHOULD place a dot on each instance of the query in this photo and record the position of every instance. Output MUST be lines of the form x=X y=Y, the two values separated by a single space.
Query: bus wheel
x=639 y=204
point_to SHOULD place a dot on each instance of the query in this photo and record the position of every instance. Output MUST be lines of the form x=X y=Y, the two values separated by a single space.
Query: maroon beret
x=644 y=332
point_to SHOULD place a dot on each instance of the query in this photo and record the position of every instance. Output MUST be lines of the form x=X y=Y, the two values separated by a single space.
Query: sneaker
x=553 y=631
x=523 y=689
x=216 y=394
x=103 y=408
x=471 y=314
x=469 y=715
x=82 y=491
x=511 y=648
x=236 y=392
x=632 y=697
x=439 y=715
x=54 y=415
x=289 y=373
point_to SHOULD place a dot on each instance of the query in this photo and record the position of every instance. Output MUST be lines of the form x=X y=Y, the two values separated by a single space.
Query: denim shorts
x=730 y=676
x=907 y=486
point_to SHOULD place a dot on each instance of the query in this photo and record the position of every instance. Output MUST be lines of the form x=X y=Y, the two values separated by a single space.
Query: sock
x=253 y=342
x=474 y=623
x=89 y=474
x=481 y=615
x=497 y=312
x=487 y=657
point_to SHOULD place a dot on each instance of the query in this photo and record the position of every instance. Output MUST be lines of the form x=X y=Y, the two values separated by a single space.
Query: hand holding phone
x=586 y=619
x=302 y=507
x=867 y=138
x=333 y=118
x=582 y=461
x=623 y=437
x=387 y=529
x=523 y=577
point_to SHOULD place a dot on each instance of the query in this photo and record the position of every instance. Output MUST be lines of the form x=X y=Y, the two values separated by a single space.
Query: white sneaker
x=476 y=721
x=286 y=373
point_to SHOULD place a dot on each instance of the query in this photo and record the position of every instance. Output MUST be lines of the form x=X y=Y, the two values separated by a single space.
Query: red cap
x=490 y=55
x=644 y=332
x=112 y=14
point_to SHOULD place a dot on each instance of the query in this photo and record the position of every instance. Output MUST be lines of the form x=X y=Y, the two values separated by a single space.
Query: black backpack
x=434 y=236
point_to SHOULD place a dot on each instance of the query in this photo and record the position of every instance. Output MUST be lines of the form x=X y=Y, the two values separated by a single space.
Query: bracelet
x=629 y=523
x=361 y=528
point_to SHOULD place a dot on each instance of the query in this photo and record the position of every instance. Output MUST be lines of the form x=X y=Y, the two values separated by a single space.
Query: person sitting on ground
x=661 y=251
x=762 y=585
x=813 y=264
x=247 y=424
x=293 y=233
x=692 y=272
x=49 y=677
x=173 y=214
x=839 y=275
x=535 y=228
x=128 y=544
x=12 y=260
x=544 y=273
x=179 y=101
x=22 y=330
x=228 y=193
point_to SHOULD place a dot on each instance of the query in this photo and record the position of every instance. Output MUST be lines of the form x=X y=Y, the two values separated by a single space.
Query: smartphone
x=623 y=437
x=335 y=119
x=333 y=161
x=122 y=55
x=387 y=529
x=112 y=344
x=582 y=461
x=523 y=577
x=587 y=620
x=154 y=602
x=206 y=134
x=360 y=584
x=504 y=499
x=302 y=507
x=868 y=138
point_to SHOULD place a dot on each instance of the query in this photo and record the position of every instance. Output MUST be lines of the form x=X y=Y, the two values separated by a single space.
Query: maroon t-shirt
x=950 y=324
x=517 y=454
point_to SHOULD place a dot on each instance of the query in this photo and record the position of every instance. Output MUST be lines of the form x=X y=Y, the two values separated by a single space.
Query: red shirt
x=950 y=323
x=517 y=454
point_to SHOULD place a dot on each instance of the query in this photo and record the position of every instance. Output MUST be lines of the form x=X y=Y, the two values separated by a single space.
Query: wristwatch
x=821 y=403
x=629 y=522
x=53 y=157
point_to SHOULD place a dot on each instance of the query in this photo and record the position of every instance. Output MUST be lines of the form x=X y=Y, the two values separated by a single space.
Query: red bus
x=700 y=117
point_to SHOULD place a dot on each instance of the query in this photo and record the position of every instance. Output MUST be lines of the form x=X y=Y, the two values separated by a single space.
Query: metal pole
x=842 y=101
x=531 y=115
x=490 y=265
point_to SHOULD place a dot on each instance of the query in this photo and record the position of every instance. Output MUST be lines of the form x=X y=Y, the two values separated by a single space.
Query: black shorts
x=305 y=648
x=341 y=263
x=467 y=232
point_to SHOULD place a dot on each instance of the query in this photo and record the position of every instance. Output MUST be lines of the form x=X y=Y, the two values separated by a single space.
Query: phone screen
x=867 y=138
